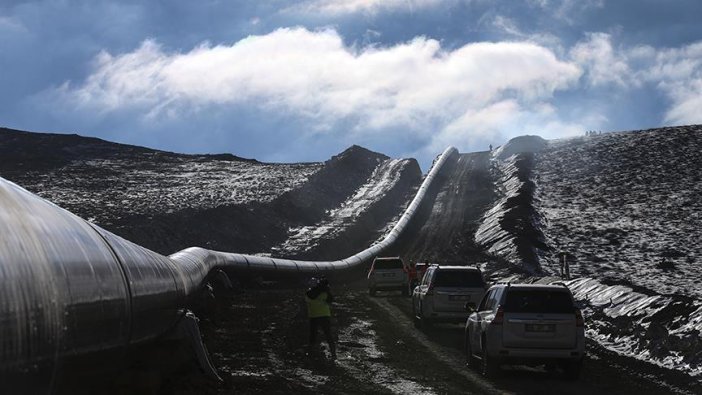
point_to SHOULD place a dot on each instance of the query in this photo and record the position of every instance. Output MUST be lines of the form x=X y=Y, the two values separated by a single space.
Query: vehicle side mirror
x=469 y=307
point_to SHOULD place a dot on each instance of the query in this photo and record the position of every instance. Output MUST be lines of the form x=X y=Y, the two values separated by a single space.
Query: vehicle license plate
x=388 y=274
x=459 y=297
x=540 y=327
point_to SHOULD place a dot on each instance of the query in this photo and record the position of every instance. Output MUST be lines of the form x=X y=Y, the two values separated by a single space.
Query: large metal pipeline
x=197 y=262
x=68 y=287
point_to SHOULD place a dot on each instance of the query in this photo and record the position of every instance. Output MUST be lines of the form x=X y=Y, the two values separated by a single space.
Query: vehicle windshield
x=386 y=264
x=458 y=278
x=538 y=301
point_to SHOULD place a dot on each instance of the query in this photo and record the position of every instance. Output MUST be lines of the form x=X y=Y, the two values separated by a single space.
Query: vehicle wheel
x=405 y=291
x=470 y=360
x=423 y=321
x=571 y=369
x=488 y=366
x=415 y=319
x=371 y=291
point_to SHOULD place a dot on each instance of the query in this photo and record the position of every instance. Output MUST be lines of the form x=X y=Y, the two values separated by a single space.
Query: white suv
x=388 y=273
x=444 y=292
x=526 y=324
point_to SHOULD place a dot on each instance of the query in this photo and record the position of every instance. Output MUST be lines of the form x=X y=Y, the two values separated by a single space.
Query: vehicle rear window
x=386 y=264
x=458 y=278
x=538 y=301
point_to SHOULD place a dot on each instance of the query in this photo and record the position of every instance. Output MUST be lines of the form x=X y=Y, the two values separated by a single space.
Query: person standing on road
x=319 y=299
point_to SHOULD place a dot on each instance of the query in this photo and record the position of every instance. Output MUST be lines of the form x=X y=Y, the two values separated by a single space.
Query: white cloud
x=415 y=86
x=510 y=28
x=675 y=72
x=11 y=24
x=567 y=10
x=343 y=7
x=602 y=64
x=678 y=73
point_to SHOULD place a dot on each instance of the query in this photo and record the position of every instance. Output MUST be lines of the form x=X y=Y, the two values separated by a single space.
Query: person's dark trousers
x=325 y=324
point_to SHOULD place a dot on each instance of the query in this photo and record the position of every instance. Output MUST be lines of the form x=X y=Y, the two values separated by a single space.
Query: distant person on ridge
x=319 y=299
x=564 y=265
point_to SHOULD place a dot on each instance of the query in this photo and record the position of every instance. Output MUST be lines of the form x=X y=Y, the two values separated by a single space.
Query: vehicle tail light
x=499 y=317
x=579 y=321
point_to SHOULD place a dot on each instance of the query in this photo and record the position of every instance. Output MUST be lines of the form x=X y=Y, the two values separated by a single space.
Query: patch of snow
x=646 y=327
x=153 y=187
x=383 y=179
x=627 y=207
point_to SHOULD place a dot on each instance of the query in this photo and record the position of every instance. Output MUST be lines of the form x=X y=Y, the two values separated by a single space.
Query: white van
x=388 y=274
x=526 y=324
x=444 y=292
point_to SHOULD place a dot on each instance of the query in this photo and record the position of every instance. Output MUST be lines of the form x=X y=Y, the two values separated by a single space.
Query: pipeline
x=197 y=262
x=68 y=287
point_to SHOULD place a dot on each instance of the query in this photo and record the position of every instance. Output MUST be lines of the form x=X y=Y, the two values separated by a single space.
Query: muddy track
x=448 y=232
x=258 y=341
x=604 y=371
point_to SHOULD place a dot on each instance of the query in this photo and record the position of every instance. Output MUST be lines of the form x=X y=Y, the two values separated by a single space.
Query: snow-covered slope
x=511 y=228
x=625 y=207
x=628 y=208
x=104 y=181
x=167 y=201
x=381 y=182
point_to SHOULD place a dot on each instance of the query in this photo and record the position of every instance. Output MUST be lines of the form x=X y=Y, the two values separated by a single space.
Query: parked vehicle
x=526 y=324
x=388 y=274
x=443 y=293
x=416 y=272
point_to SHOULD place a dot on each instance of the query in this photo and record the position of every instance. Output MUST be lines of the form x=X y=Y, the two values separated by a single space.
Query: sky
x=290 y=81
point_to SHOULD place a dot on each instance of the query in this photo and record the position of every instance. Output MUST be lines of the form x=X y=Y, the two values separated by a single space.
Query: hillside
x=625 y=208
x=167 y=201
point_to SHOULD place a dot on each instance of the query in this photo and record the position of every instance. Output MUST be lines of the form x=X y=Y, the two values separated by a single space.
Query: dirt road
x=258 y=339
x=446 y=232
x=258 y=343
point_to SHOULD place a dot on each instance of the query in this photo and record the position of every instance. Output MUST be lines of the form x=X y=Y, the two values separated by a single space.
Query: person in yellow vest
x=319 y=299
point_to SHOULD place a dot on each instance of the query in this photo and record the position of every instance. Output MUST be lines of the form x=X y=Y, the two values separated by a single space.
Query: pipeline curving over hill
x=197 y=262
x=68 y=287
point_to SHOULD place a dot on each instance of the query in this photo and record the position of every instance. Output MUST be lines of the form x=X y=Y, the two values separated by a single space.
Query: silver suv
x=526 y=324
x=388 y=273
x=444 y=292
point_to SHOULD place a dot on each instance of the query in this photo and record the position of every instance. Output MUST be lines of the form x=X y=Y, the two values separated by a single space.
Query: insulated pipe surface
x=68 y=287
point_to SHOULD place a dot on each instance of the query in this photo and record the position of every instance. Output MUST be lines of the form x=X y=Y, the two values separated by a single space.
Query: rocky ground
x=258 y=341
x=167 y=202
x=628 y=217
x=627 y=208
